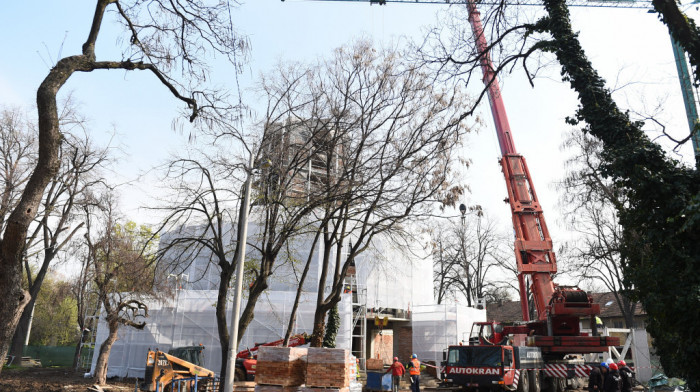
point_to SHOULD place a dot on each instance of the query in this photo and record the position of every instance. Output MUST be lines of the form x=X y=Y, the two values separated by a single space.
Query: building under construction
x=389 y=285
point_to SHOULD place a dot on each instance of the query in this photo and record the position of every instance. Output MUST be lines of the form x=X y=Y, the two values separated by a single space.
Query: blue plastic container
x=377 y=381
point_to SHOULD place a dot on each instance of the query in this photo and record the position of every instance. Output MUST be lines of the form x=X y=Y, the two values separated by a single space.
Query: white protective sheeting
x=395 y=276
x=190 y=320
x=437 y=326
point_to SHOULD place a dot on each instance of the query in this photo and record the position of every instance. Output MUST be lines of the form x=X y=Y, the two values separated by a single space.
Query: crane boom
x=533 y=246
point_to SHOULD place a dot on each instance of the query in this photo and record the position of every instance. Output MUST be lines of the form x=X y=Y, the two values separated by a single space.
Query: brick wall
x=403 y=343
x=383 y=346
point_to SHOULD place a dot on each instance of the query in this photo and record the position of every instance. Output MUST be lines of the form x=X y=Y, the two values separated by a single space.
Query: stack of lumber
x=328 y=370
x=280 y=369
x=244 y=386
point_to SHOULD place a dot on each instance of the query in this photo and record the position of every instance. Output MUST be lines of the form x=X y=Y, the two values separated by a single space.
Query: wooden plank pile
x=244 y=386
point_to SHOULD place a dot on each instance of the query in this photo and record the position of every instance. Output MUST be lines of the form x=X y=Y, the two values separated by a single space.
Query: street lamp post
x=240 y=257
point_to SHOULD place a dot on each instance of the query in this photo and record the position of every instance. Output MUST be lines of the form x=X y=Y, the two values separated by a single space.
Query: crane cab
x=486 y=333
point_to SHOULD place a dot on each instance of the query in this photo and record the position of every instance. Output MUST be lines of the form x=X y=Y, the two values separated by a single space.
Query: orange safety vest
x=414 y=370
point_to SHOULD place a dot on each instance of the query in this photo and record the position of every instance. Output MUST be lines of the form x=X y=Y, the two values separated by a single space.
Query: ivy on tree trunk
x=661 y=220
x=332 y=327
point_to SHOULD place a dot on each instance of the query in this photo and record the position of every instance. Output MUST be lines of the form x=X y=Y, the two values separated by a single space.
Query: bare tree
x=590 y=203
x=57 y=220
x=199 y=224
x=202 y=219
x=480 y=249
x=445 y=264
x=85 y=298
x=121 y=257
x=466 y=255
x=172 y=40
x=386 y=161
x=18 y=153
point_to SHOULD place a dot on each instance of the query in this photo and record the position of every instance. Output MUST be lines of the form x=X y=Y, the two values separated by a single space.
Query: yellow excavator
x=162 y=369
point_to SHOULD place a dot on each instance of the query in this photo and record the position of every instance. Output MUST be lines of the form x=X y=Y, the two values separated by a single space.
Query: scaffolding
x=435 y=327
x=359 y=316
x=189 y=319
x=89 y=336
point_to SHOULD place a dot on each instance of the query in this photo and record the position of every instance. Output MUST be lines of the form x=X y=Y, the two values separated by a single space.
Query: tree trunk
x=221 y=324
x=14 y=298
x=103 y=358
x=259 y=286
x=76 y=353
x=319 y=328
x=14 y=301
x=293 y=315
x=22 y=330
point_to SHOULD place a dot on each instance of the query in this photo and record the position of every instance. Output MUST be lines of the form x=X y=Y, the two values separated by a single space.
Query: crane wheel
x=535 y=380
x=562 y=384
x=551 y=385
x=523 y=383
x=239 y=375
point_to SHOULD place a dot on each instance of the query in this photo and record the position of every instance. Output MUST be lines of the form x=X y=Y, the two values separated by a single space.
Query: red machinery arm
x=558 y=308
x=296 y=340
x=533 y=245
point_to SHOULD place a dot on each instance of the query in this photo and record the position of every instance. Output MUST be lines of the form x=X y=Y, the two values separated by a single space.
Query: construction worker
x=397 y=371
x=613 y=381
x=627 y=375
x=414 y=372
x=604 y=371
x=599 y=325
x=595 y=379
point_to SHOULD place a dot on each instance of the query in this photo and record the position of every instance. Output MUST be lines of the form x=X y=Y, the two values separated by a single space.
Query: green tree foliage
x=332 y=327
x=55 y=312
x=661 y=217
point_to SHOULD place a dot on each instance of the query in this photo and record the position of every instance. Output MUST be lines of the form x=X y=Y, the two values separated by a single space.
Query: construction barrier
x=59 y=356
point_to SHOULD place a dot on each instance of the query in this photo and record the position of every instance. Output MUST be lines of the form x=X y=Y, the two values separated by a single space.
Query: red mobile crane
x=522 y=356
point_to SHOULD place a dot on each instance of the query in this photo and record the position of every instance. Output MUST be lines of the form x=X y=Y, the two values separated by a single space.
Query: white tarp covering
x=395 y=276
x=190 y=320
x=437 y=326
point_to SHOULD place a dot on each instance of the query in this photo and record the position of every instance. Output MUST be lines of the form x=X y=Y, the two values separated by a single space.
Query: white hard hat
x=609 y=361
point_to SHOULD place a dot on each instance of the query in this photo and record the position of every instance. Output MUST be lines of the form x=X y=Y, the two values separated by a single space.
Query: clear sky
x=629 y=47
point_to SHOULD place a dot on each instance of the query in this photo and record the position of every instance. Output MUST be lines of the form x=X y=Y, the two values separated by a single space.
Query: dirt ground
x=53 y=380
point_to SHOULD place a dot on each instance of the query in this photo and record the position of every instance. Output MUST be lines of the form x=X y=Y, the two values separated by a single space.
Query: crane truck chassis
x=509 y=368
